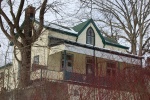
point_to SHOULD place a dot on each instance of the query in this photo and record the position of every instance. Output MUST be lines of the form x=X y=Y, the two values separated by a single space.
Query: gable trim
x=98 y=31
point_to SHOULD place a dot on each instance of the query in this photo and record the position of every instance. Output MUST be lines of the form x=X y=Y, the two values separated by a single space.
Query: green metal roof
x=80 y=26
x=113 y=42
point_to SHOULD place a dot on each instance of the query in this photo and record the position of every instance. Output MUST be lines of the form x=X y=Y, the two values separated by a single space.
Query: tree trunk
x=25 y=66
x=133 y=45
x=26 y=50
x=140 y=42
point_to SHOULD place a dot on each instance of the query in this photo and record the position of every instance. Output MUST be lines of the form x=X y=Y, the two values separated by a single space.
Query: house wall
x=54 y=62
x=101 y=67
x=82 y=37
x=61 y=35
x=8 y=80
x=114 y=48
x=40 y=47
x=11 y=78
x=15 y=70
x=79 y=63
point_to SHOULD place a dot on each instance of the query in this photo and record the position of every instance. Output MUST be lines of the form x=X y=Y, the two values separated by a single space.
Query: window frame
x=90 y=65
x=90 y=37
x=36 y=58
x=112 y=67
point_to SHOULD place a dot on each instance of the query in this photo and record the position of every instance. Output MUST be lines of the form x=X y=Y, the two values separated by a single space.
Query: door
x=68 y=61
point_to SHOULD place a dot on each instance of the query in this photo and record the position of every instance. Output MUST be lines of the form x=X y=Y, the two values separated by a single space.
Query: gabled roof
x=106 y=41
x=77 y=30
x=80 y=26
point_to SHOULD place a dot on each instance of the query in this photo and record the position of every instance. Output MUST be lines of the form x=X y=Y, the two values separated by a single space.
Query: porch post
x=64 y=67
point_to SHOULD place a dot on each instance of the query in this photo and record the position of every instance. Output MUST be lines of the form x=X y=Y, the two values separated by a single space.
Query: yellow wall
x=101 y=65
x=79 y=63
x=61 y=36
x=115 y=48
x=54 y=61
x=40 y=47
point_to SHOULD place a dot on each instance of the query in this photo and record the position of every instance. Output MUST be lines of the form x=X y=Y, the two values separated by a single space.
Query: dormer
x=89 y=34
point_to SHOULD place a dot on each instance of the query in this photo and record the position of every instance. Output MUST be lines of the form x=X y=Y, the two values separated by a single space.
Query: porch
x=71 y=61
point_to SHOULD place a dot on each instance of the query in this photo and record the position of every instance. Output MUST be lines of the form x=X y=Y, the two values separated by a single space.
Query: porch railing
x=46 y=74
x=89 y=79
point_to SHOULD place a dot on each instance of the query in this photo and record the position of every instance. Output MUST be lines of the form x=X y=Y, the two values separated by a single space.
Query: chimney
x=29 y=18
x=30 y=12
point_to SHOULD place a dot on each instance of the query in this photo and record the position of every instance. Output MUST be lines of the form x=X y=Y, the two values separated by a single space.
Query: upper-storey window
x=90 y=36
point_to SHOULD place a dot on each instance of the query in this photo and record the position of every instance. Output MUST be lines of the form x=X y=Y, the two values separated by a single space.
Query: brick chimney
x=29 y=18
x=30 y=12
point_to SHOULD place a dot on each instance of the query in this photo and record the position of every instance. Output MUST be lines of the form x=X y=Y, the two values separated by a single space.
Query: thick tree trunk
x=26 y=50
x=25 y=66
x=133 y=45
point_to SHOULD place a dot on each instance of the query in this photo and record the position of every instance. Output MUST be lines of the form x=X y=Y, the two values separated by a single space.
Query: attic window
x=90 y=36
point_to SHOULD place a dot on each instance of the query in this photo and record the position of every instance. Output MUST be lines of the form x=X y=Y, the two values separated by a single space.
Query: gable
x=82 y=36
x=100 y=41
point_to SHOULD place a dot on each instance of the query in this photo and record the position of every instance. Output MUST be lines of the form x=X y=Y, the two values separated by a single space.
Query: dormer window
x=90 y=36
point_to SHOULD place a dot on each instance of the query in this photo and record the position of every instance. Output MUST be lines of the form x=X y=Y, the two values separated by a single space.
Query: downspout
x=8 y=79
x=103 y=41
x=64 y=69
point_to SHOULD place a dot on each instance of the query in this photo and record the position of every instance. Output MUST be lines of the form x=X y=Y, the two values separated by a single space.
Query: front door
x=68 y=61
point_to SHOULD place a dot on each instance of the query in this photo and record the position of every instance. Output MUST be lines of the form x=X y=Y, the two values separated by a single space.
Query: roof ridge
x=79 y=26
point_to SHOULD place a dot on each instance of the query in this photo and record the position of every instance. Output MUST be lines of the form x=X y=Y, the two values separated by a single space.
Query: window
x=69 y=62
x=89 y=65
x=111 y=69
x=54 y=41
x=36 y=59
x=90 y=36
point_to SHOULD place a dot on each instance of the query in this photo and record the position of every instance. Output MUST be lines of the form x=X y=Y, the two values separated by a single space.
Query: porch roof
x=62 y=45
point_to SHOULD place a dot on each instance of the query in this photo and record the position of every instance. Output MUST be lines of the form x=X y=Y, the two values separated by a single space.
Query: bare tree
x=127 y=19
x=10 y=23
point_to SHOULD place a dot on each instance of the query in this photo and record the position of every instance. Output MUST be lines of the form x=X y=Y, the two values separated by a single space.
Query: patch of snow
x=59 y=27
